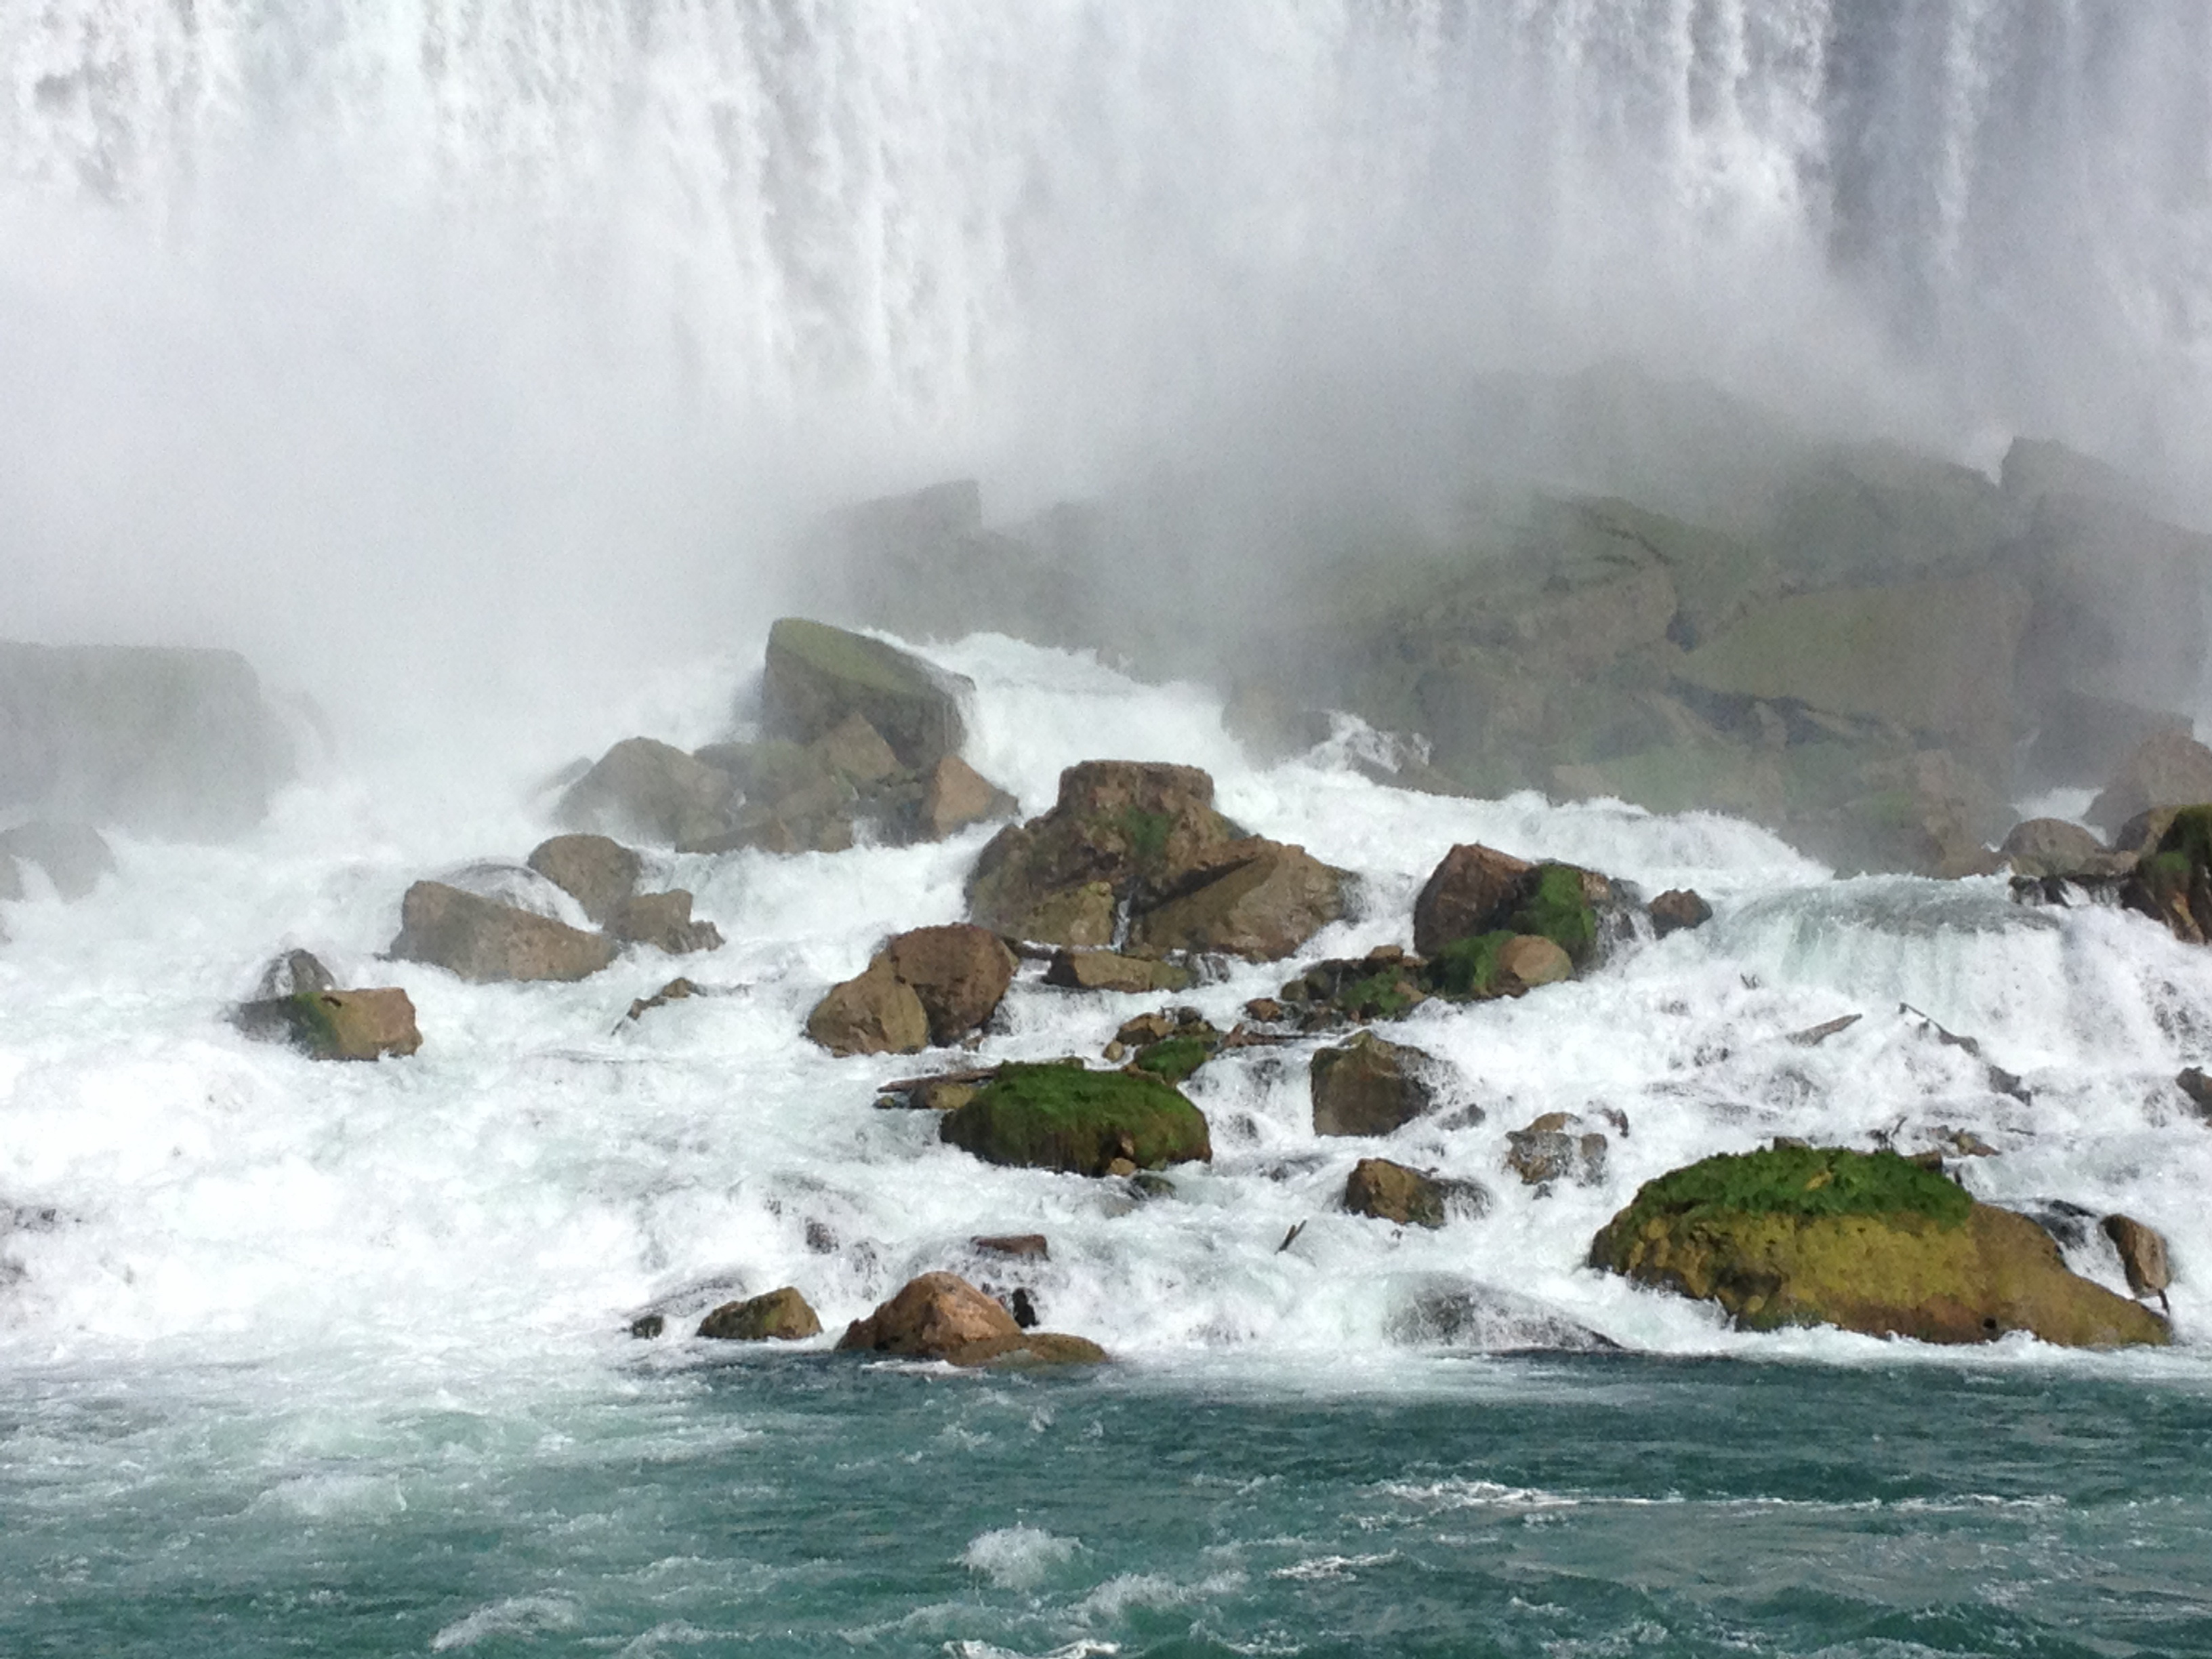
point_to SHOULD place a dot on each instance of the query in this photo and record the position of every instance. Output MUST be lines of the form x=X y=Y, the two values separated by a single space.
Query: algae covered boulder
x=819 y=677
x=1079 y=1121
x=1870 y=1242
x=1478 y=891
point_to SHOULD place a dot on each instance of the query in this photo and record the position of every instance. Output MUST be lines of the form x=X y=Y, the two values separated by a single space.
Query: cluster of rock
x=859 y=739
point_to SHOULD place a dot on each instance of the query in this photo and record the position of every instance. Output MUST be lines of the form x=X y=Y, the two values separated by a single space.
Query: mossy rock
x=1868 y=1241
x=1555 y=905
x=1467 y=967
x=1174 y=1059
x=818 y=677
x=1081 y=1121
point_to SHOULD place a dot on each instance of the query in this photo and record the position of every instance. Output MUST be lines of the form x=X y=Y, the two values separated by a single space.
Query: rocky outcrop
x=932 y=985
x=1871 y=1242
x=1678 y=911
x=73 y=856
x=652 y=792
x=1112 y=970
x=819 y=677
x=873 y=1013
x=1146 y=838
x=781 y=1316
x=2169 y=769
x=335 y=1024
x=1555 y=1147
x=664 y=921
x=157 y=740
x=942 y=1316
x=1370 y=1087
x=1391 y=1192
x=845 y=786
x=1068 y=1118
x=485 y=941
x=597 y=872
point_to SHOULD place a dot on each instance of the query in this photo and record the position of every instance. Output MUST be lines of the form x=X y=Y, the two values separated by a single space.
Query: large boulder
x=652 y=792
x=1083 y=1122
x=819 y=677
x=335 y=1024
x=1146 y=837
x=874 y=1012
x=2044 y=847
x=1391 y=1192
x=1476 y=891
x=75 y=856
x=2169 y=769
x=597 y=872
x=157 y=740
x=1370 y=1087
x=782 y=1315
x=941 y=1316
x=485 y=941
x=664 y=921
x=958 y=971
x=1871 y=1242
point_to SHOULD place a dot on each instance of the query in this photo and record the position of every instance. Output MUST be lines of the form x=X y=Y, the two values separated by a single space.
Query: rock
x=1818 y=1235
x=654 y=791
x=293 y=973
x=958 y=971
x=1678 y=909
x=646 y=1326
x=942 y=1316
x=75 y=856
x=486 y=942
x=335 y=1024
x=1464 y=895
x=955 y=795
x=597 y=872
x=675 y=991
x=1384 y=984
x=1065 y=1117
x=1370 y=1087
x=941 y=1091
x=779 y=1316
x=1262 y=906
x=2169 y=769
x=1111 y=970
x=1813 y=1035
x=1477 y=890
x=1556 y=1147
x=2172 y=882
x=2197 y=1087
x=1391 y=1192
x=664 y=921
x=874 y=1013
x=819 y=677
x=1027 y=1247
x=2052 y=846
x=2142 y=1254
x=1529 y=960
x=1173 y=1059
x=855 y=751
x=156 y=740
x=1460 y=1313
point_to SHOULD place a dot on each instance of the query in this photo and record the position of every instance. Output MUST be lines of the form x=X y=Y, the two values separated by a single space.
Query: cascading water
x=428 y=349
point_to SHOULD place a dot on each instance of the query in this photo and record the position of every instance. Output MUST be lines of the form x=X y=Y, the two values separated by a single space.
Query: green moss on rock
x=1173 y=1059
x=1467 y=967
x=1065 y=1117
x=1556 y=909
x=1803 y=1181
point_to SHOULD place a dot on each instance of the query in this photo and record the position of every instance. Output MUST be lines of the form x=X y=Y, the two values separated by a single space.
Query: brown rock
x=1270 y=899
x=781 y=1316
x=856 y=751
x=873 y=1013
x=1529 y=960
x=955 y=795
x=2142 y=1254
x=818 y=677
x=942 y=1316
x=1677 y=910
x=958 y=971
x=1391 y=1192
x=1557 y=1147
x=676 y=990
x=1464 y=895
x=486 y=942
x=1030 y=1247
x=599 y=872
x=1111 y=970
x=1079 y=916
x=1368 y=1087
x=652 y=791
x=2168 y=770
x=336 y=1025
x=664 y=921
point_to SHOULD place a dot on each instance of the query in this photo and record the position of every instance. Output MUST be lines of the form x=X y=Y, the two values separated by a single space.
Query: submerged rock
x=1391 y=1192
x=1370 y=1087
x=335 y=1024
x=1066 y=1117
x=781 y=1316
x=1460 y=1313
x=487 y=942
x=1871 y=1242
x=941 y=1316
x=597 y=872
x=75 y=856
x=819 y=677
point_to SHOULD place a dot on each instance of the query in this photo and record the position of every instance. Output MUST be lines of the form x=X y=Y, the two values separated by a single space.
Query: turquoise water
x=804 y=1503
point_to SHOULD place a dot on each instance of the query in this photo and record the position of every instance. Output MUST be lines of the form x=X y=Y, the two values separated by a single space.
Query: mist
x=452 y=358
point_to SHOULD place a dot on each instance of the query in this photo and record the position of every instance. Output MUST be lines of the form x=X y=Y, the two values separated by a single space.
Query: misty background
x=457 y=354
